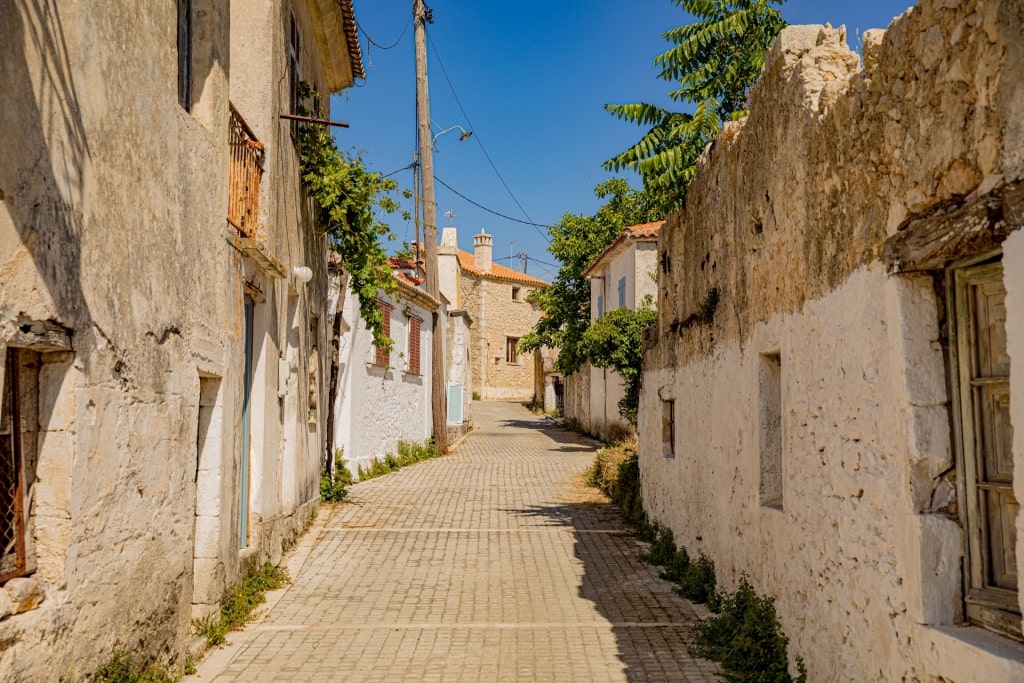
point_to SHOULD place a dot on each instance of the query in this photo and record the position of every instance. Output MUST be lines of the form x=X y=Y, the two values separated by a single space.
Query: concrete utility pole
x=421 y=16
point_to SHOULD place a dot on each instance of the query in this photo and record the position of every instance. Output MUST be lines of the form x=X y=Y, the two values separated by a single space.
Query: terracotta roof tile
x=355 y=53
x=636 y=232
x=499 y=272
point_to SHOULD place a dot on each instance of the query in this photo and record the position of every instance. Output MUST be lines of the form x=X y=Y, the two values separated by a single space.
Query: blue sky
x=532 y=77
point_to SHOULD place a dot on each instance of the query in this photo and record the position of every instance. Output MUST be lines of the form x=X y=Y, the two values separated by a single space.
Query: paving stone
x=486 y=565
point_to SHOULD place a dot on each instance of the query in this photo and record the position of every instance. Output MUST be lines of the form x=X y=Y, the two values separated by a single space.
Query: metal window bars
x=12 y=519
x=244 y=176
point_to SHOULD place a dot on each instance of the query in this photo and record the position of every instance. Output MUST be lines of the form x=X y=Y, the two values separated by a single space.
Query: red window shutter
x=382 y=358
x=414 y=345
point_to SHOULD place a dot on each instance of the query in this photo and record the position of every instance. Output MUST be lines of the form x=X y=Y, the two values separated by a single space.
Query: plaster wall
x=863 y=551
x=459 y=369
x=112 y=227
x=378 y=406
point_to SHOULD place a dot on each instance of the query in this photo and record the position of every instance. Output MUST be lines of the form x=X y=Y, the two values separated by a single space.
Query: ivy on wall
x=350 y=202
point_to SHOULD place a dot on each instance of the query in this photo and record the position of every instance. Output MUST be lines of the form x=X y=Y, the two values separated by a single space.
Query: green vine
x=347 y=197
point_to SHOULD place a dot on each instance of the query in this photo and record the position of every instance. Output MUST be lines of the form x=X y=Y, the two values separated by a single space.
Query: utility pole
x=421 y=17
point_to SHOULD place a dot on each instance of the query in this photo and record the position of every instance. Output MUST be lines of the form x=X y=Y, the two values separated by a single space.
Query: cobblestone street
x=491 y=564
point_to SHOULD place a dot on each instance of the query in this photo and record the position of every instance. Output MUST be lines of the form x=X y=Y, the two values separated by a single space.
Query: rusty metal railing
x=244 y=176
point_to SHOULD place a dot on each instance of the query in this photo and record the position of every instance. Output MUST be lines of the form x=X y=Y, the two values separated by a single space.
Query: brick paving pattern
x=490 y=564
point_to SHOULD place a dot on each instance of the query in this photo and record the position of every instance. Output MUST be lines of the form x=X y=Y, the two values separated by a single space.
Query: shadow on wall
x=651 y=625
x=44 y=174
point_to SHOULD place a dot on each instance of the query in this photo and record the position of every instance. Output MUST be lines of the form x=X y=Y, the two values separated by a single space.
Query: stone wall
x=779 y=295
x=113 y=233
x=496 y=318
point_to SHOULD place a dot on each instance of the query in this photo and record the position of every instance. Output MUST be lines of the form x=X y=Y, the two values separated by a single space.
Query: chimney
x=483 y=245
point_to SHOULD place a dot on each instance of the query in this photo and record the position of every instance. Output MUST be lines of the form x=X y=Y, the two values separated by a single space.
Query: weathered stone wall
x=777 y=259
x=112 y=226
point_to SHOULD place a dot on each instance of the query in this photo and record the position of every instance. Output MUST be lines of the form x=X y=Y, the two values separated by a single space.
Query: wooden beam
x=955 y=231
x=40 y=335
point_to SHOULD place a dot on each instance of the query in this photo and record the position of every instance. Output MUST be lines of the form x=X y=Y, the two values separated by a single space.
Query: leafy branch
x=347 y=198
x=715 y=61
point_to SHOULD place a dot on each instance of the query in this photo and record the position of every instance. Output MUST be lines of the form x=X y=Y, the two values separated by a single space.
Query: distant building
x=623 y=275
x=498 y=299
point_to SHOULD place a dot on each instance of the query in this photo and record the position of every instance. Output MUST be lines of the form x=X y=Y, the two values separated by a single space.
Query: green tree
x=715 y=61
x=347 y=198
x=615 y=341
x=576 y=241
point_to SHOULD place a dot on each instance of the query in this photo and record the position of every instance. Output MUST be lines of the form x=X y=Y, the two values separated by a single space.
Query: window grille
x=12 y=519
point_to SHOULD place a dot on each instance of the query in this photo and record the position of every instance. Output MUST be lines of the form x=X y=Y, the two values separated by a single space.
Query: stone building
x=161 y=295
x=383 y=398
x=623 y=275
x=826 y=398
x=498 y=300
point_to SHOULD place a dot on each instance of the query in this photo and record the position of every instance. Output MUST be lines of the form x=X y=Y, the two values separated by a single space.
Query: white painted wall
x=377 y=407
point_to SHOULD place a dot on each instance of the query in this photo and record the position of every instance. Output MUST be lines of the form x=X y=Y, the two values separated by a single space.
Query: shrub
x=663 y=549
x=409 y=453
x=747 y=639
x=697 y=582
x=333 y=490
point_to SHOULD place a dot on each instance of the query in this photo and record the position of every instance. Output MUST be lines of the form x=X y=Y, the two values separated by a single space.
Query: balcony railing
x=244 y=177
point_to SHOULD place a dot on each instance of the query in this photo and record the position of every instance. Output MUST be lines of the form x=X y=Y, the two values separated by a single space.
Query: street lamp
x=465 y=135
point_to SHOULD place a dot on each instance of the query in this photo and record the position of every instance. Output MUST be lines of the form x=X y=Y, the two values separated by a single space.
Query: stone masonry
x=801 y=359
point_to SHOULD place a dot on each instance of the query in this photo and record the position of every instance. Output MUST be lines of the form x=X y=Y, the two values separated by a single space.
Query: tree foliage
x=715 y=61
x=615 y=340
x=576 y=241
x=349 y=201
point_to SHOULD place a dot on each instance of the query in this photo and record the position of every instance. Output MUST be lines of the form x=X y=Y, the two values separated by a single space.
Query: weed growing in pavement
x=663 y=549
x=122 y=667
x=239 y=607
x=408 y=453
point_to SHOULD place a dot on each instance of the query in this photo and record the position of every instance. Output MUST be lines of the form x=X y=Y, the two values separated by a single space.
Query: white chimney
x=483 y=246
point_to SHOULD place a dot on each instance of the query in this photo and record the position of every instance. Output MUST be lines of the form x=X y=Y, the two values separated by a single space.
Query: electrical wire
x=377 y=45
x=500 y=215
x=479 y=141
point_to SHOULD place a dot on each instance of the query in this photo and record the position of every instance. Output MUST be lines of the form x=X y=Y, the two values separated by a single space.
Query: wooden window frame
x=517 y=294
x=512 y=350
x=382 y=358
x=415 y=345
x=986 y=605
x=668 y=428
x=622 y=291
x=294 y=73
x=184 y=49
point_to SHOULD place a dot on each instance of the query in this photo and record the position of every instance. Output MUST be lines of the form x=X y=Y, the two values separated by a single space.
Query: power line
x=377 y=45
x=528 y=221
x=500 y=215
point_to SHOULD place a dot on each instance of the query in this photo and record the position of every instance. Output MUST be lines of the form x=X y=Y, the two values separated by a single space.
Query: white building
x=383 y=398
x=623 y=275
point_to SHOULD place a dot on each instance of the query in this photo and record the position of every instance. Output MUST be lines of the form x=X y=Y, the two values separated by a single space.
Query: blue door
x=243 y=470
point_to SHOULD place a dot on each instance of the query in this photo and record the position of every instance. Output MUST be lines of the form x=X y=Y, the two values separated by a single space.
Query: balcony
x=244 y=177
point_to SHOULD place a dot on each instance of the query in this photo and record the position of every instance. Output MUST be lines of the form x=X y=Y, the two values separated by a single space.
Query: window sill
x=964 y=653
